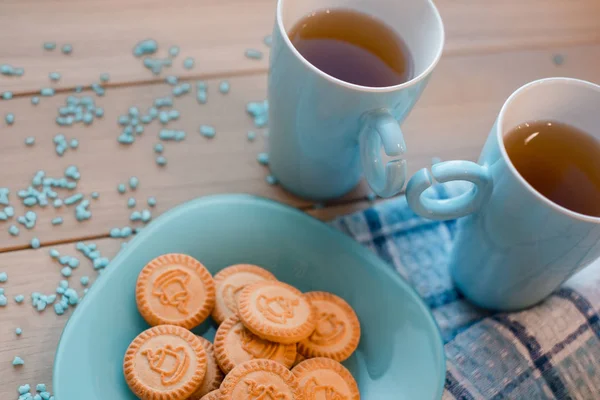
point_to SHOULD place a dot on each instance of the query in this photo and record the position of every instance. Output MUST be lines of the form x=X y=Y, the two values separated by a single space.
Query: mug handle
x=456 y=207
x=380 y=127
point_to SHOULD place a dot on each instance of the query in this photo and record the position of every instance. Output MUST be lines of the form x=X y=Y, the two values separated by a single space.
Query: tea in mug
x=353 y=47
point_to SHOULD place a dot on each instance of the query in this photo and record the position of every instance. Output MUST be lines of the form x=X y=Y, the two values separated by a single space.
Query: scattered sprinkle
x=30 y=141
x=47 y=92
x=271 y=180
x=161 y=161
x=13 y=230
x=158 y=148
x=121 y=188
x=251 y=136
x=9 y=70
x=3 y=277
x=49 y=46
x=168 y=134
x=66 y=272
x=133 y=182
x=67 y=49
x=7 y=95
x=35 y=100
x=182 y=89
x=35 y=243
x=19 y=298
x=54 y=76
x=131 y=202
x=85 y=280
x=57 y=221
x=95 y=195
x=207 y=131
x=171 y=80
x=54 y=253
x=10 y=118
x=558 y=59
x=151 y=201
x=253 y=54
x=17 y=361
x=24 y=389
x=148 y=46
x=188 y=63
x=201 y=92
x=263 y=158
x=19 y=331
x=260 y=112
x=174 y=51
x=104 y=77
x=224 y=87
x=268 y=40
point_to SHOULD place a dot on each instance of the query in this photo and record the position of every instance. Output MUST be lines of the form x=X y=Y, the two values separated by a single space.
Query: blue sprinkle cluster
x=145 y=47
x=93 y=254
x=259 y=110
x=41 y=393
x=9 y=70
x=201 y=92
x=61 y=145
x=79 y=110
x=174 y=135
x=182 y=89
x=157 y=64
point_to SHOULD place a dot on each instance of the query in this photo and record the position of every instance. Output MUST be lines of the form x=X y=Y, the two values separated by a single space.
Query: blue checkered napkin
x=551 y=351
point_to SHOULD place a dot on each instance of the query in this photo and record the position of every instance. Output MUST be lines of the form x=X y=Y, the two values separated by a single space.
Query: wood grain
x=451 y=121
x=216 y=33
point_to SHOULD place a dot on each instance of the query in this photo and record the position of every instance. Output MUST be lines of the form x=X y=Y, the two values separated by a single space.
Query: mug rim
x=383 y=89
x=513 y=169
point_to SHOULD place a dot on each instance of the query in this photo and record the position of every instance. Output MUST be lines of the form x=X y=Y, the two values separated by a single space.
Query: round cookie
x=214 y=395
x=175 y=289
x=234 y=345
x=276 y=311
x=337 y=331
x=214 y=376
x=229 y=282
x=165 y=362
x=325 y=378
x=260 y=379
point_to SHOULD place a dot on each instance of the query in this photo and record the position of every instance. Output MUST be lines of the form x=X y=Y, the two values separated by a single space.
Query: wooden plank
x=216 y=33
x=451 y=121
x=30 y=271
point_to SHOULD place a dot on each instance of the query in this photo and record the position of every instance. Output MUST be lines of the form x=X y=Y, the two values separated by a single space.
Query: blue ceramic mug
x=324 y=132
x=514 y=247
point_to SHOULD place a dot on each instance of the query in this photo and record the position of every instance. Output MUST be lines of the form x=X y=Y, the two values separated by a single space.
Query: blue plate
x=400 y=354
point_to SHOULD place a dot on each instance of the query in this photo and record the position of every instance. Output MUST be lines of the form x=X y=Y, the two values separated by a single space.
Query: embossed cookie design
x=337 y=331
x=234 y=345
x=175 y=289
x=260 y=379
x=276 y=311
x=214 y=377
x=165 y=362
x=324 y=378
x=229 y=282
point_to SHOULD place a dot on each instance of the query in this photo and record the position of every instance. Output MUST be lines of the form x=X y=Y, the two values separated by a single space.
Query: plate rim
x=253 y=200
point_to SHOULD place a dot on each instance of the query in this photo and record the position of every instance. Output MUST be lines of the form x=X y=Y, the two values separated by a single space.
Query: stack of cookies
x=266 y=328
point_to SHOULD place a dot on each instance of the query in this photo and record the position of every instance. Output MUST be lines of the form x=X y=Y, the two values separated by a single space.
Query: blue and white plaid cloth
x=551 y=351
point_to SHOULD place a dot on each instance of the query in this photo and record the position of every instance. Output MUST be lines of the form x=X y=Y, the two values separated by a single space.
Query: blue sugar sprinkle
x=30 y=201
x=146 y=215
x=224 y=87
x=126 y=232
x=167 y=134
x=3 y=216
x=47 y=92
x=54 y=253
x=19 y=298
x=134 y=182
x=95 y=195
x=78 y=89
x=135 y=216
x=158 y=148
x=40 y=387
x=17 y=361
x=148 y=46
x=131 y=202
x=57 y=203
x=10 y=118
x=84 y=280
x=73 y=262
x=19 y=331
x=66 y=272
x=207 y=131
x=73 y=199
x=182 y=89
x=253 y=54
x=35 y=243
x=161 y=161
x=121 y=188
x=30 y=141
x=174 y=51
x=99 y=90
x=101 y=262
x=31 y=215
x=146 y=119
x=153 y=112
x=125 y=139
x=251 y=136
x=171 y=80
x=35 y=100
x=67 y=49
x=104 y=77
x=263 y=158
x=49 y=45
x=54 y=76
x=63 y=260
x=173 y=114
x=1 y=290
x=57 y=221
x=3 y=300
x=188 y=63
x=74 y=143
x=162 y=102
x=134 y=111
x=13 y=231
x=558 y=59
x=7 y=95
x=115 y=233
x=271 y=180
x=3 y=277
x=99 y=112
x=151 y=201
x=268 y=40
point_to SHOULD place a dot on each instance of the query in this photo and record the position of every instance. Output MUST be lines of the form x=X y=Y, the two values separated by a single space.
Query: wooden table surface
x=492 y=48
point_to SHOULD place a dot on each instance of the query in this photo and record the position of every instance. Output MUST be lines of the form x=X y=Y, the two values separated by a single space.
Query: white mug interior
x=417 y=22
x=567 y=100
